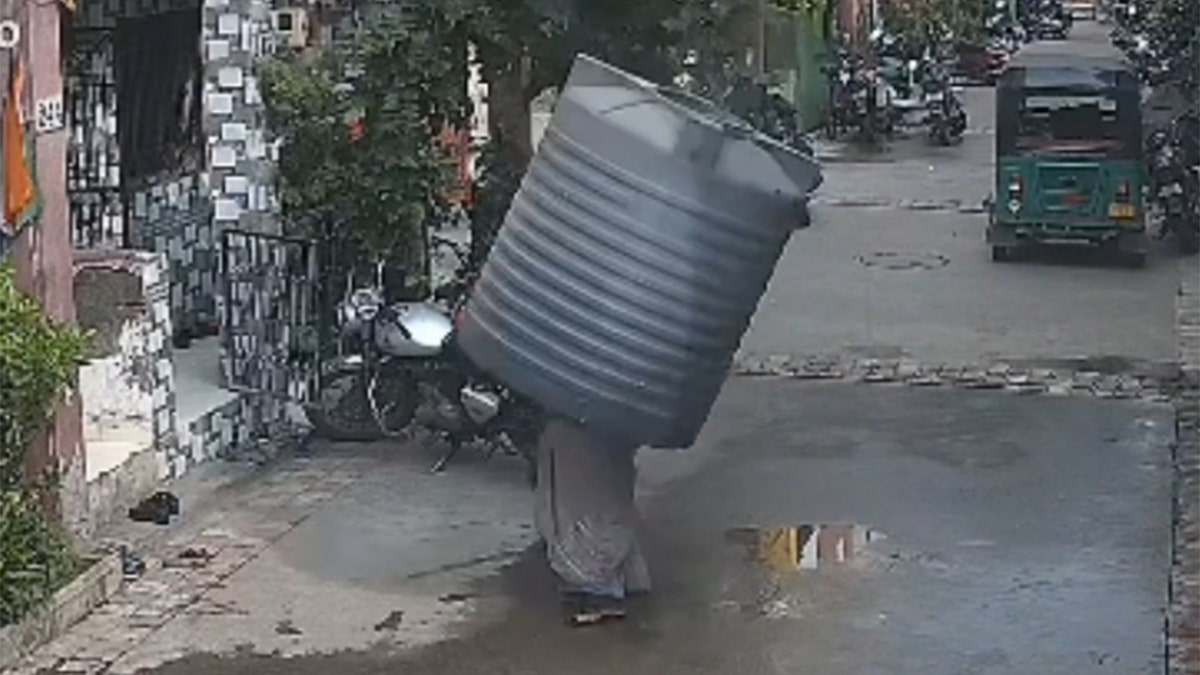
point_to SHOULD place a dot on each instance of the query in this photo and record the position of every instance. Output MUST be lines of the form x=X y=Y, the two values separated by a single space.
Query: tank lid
x=589 y=71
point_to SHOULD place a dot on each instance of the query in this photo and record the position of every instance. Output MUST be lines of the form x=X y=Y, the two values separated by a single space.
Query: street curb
x=999 y=376
x=864 y=202
x=1183 y=612
x=68 y=606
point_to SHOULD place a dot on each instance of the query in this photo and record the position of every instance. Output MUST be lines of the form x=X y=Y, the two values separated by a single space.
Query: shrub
x=38 y=364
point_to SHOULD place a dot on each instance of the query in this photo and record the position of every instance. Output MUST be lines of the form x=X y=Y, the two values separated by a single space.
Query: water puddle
x=807 y=547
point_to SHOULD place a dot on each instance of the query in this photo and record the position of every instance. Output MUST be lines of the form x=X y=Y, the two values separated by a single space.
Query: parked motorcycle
x=945 y=115
x=1046 y=19
x=1053 y=21
x=400 y=370
x=849 y=84
x=1175 y=182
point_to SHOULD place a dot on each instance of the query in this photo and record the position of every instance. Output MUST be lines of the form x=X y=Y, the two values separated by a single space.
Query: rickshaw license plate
x=1123 y=211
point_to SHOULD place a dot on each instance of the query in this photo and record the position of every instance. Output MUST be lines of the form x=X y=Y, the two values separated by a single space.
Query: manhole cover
x=898 y=260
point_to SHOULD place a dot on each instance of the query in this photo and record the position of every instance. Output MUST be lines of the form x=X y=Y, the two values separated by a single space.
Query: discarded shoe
x=132 y=565
x=157 y=508
x=169 y=499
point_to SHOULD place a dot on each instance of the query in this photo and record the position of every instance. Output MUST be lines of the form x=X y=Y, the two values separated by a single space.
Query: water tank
x=633 y=256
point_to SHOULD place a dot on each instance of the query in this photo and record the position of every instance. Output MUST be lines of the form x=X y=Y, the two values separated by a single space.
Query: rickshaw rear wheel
x=1002 y=253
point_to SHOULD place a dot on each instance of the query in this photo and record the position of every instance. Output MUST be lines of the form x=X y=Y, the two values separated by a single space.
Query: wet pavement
x=833 y=529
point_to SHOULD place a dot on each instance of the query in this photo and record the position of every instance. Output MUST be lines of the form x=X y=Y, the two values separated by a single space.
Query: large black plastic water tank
x=633 y=256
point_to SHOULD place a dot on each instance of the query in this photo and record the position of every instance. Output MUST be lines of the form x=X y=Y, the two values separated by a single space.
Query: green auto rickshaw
x=1068 y=156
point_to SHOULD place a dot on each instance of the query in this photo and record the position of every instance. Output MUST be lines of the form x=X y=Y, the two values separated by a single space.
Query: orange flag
x=20 y=193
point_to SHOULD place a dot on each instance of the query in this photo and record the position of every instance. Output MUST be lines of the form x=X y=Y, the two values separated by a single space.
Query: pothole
x=901 y=260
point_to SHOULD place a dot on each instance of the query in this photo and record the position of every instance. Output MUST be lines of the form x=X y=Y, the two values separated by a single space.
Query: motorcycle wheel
x=343 y=411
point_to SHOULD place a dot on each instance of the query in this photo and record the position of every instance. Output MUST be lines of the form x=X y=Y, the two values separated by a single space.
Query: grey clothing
x=585 y=511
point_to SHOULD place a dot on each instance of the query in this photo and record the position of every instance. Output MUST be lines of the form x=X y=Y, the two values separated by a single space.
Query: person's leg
x=635 y=575
x=584 y=510
x=635 y=572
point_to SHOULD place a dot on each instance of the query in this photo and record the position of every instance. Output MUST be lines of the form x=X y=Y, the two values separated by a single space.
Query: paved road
x=999 y=534
x=955 y=305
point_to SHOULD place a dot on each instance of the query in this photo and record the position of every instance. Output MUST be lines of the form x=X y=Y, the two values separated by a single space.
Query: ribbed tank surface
x=633 y=256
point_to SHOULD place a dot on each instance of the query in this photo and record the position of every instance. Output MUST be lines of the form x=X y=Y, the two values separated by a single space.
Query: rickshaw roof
x=1060 y=71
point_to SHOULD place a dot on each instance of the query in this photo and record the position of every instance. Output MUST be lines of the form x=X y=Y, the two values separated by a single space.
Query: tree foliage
x=928 y=23
x=38 y=364
x=359 y=158
x=409 y=77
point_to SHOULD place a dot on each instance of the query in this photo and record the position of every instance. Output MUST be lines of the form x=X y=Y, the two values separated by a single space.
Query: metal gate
x=97 y=208
x=272 y=314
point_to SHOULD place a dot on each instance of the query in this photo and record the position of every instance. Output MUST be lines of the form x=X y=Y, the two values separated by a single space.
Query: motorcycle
x=1053 y=22
x=400 y=370
x=1046 y=19
x=1175 y=183
x=945 y=115
x=847 y=110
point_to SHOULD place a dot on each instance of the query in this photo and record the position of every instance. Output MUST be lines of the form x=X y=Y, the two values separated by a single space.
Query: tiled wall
x=181 y=216
x=247 y=425
x=136 y=380
x=174 y=218
x=236 y=35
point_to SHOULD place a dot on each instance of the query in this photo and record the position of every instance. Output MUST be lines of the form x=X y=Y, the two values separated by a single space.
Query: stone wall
x=177 y=220
x=173 y=217
x=127 y=386
x=169 y=214
x=237 y=33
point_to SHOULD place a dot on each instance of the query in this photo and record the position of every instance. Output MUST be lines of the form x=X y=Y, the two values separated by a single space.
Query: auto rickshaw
x=1068 y=156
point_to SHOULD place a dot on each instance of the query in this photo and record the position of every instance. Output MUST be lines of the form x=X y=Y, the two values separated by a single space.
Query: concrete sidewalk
x=349 y=548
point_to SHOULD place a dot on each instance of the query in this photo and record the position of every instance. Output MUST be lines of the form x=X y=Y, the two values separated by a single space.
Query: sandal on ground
x=588 y=610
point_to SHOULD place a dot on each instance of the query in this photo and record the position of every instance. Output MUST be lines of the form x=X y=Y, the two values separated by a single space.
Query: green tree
x=925 y=23
x=38 y=364
x=359 y=158
x=408 y=76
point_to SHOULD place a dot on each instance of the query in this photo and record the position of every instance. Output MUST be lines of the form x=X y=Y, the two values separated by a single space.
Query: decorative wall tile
x=217 y=49
x=228 y=209
x=176 y=216
x=233 y=132
x=230 y=78
x=229 y=24
x=223 y=156
x=237 y=185
x=220 y=104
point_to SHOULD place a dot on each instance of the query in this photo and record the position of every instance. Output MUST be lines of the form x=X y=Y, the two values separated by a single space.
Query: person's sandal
x=589 y=610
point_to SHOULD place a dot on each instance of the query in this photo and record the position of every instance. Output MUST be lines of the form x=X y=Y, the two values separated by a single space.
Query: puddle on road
x=809 y=547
